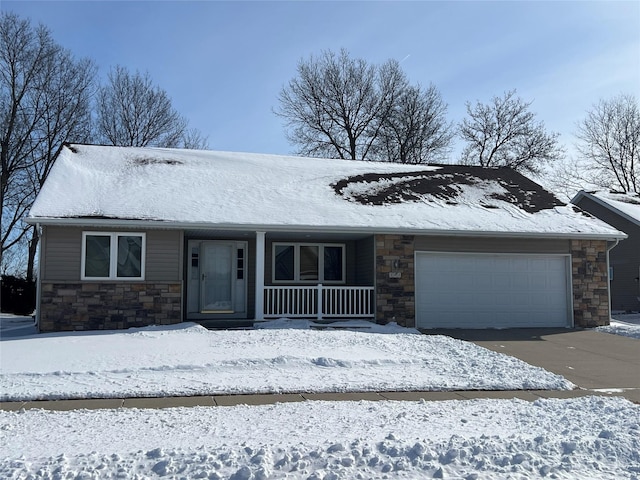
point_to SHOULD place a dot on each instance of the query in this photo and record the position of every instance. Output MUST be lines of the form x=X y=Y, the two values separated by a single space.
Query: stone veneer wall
x=590 y=283
x=395 y=295
x=107 y=306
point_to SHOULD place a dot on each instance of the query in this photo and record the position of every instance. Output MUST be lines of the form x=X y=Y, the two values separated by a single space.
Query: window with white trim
x=308 y=263
x=113 y=256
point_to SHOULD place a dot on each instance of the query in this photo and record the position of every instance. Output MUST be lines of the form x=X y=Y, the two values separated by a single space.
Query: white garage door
x=458 y=290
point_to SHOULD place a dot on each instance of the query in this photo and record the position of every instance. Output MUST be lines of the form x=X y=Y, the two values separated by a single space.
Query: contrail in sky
x=405 y=58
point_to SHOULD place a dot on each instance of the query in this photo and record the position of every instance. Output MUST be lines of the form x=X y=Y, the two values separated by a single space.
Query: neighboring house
x=139 y=236
x=621 y=210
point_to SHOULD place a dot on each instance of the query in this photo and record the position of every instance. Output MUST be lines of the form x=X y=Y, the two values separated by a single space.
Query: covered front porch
x=236 y=275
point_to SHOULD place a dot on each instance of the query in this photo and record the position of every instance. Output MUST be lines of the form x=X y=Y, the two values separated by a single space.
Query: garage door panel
x=541 y=282
x=491 y=290
x=501 y=280
x=483 y=300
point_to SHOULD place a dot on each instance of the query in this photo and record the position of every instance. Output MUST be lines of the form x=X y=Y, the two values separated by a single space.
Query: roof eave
x=603 y=203
x=161 y=224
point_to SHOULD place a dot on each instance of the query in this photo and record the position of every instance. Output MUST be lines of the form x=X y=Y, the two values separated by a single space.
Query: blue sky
x=223 y=63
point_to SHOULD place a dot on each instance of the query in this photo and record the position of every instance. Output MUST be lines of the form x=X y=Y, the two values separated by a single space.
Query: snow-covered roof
x=207 y=189
x=625 y=204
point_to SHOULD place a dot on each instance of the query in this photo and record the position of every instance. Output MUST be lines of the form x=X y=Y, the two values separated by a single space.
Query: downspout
x=609 y=248
x=39 y=281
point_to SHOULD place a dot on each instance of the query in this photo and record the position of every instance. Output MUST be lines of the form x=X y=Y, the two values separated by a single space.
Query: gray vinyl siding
x=62 y=250
x=164 y=255
x=365 y=267
x=350 y=262
x=624 y=258
x=490 y=245
x=268 y=262
x=625 y=264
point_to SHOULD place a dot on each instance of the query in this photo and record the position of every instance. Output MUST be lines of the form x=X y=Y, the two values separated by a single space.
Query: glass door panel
x=217 y=278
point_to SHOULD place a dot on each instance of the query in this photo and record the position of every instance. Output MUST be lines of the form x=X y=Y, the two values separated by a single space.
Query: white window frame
x=113 y=255
x=296 y=263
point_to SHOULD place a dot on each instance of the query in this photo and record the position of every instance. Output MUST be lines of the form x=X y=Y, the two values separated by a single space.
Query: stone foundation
x=108 y=306
x=590 y=283
x=395 y=280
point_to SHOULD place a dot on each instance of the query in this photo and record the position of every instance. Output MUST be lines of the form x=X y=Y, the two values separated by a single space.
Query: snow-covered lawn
x=586 y=438
x=187 y=359
x=627 y=324
x=591 y=437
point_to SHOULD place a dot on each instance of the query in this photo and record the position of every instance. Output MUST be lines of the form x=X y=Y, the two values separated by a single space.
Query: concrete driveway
x=592 y=360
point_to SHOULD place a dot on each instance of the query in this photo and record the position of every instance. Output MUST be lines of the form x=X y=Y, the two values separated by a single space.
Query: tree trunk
x=33 y=247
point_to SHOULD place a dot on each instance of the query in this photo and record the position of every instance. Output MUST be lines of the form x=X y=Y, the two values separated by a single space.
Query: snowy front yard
x=586 y=438
x=187 y=359
x=590 y=437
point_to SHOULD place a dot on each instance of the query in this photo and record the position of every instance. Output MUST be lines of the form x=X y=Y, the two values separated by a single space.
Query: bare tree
x=610 y=143
x=335 y=105
x=505 y=133
x=416 y=130
x=44 y=100
x=193 y=139
x=132 y=111
x=13 y=263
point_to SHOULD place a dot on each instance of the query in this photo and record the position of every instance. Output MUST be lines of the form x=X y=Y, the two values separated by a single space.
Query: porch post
x=319 y=304
x=260 y=246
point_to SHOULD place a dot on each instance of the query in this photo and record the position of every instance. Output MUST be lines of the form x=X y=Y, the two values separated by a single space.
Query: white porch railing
x=318 y=301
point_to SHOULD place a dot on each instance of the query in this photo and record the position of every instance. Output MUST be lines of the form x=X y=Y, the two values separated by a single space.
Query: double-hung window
x=308 y=262
x=113 y=256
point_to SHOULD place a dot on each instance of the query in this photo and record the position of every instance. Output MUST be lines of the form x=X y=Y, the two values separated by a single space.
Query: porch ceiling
x=285 y=236
x=315 y=236
x=222 y=234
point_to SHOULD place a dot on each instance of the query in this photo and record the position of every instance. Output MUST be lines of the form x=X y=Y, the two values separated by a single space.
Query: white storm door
x=217 y=278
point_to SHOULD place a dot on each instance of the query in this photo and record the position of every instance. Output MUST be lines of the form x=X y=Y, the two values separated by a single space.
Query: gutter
x=173 y=225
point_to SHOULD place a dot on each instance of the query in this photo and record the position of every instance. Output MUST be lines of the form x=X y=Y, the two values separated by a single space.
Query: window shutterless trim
x=113 y=255
x=296 y=263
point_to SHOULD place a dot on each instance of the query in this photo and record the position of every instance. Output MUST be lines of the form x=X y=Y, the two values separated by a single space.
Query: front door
x=217 y=283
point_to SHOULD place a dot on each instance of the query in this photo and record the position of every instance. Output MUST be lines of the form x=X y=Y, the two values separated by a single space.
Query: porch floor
x=240 y=324
x=312 y=323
